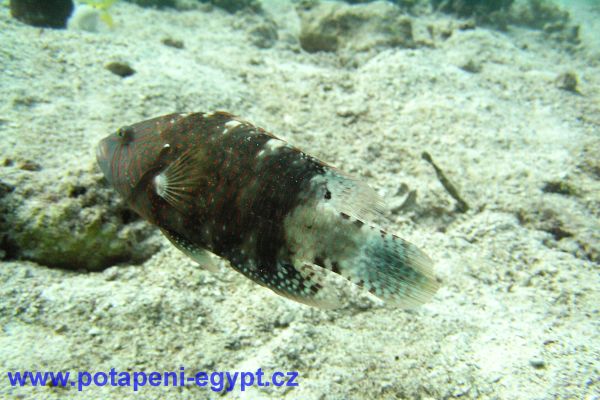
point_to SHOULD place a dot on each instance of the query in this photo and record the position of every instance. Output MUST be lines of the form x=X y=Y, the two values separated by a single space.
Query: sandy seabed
x=517 y=314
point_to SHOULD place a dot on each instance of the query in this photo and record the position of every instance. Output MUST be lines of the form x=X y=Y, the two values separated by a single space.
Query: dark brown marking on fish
x=316 y=287
x=335 y=267
x=319 y=261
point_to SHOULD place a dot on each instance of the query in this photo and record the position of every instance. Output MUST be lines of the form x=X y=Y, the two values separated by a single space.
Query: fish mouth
x=102 y=153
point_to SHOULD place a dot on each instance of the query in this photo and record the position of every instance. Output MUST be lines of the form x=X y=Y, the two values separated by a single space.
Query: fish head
x=133 y=154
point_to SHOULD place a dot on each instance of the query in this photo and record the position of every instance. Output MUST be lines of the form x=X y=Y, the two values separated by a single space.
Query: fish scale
x=214 y=183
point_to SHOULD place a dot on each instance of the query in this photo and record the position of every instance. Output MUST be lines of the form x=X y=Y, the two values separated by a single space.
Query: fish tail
x=338 y=232
x=391 y=268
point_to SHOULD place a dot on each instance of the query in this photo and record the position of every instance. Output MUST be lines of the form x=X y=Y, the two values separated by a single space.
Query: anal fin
x=306 y=284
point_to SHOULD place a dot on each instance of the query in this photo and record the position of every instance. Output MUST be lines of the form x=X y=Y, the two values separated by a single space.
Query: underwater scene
x=300 y=199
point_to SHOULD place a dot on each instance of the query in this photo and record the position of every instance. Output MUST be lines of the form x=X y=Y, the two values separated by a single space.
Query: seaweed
x=461 y=205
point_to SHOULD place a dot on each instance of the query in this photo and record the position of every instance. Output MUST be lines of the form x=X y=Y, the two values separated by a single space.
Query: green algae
x=84 y=229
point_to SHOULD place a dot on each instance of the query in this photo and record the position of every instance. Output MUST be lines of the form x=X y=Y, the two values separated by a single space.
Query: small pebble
x=559 y=187
x=93 y=331
x=77 y=190
x=178 y=44
x=121 y=69
x=28 y=165
x=537 y=363
x=5 y=188
x=111 y=274
x=568 y=81
x=471 y=66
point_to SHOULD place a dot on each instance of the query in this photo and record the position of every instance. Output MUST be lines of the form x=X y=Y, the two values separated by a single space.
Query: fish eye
x=125 y=133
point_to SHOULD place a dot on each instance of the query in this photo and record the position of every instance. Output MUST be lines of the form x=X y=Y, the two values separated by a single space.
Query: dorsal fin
x=355 y=198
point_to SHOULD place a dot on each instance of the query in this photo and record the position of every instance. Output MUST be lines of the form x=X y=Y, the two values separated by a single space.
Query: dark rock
x=121 y=69
x=233 y=6
x=330 y=26
x=78 y=225
x=495 y=13
x=29 y=165
x=77 y=190
x=5 y=189
x=263 y=34
x=546 y=220
x=408 y=5
x=406 y=203
x=537 y=363
x=178 y=44
x=155 y=3
x=589 y=160
x=543 y=15
x=42 y=13
x=558 y=232
x=559 y=187
x=471 y=66
x=471 y=8
x=568 y=81
x=260 y=29
x=537 y=13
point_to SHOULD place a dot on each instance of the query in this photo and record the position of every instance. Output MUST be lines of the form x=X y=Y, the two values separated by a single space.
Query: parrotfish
x=217 y=185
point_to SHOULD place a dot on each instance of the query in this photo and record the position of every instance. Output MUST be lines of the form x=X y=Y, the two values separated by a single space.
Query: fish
x=102 y=6
x=217 y=185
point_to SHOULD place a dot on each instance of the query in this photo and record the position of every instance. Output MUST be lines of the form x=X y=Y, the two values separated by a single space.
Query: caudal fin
x=392 y=269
